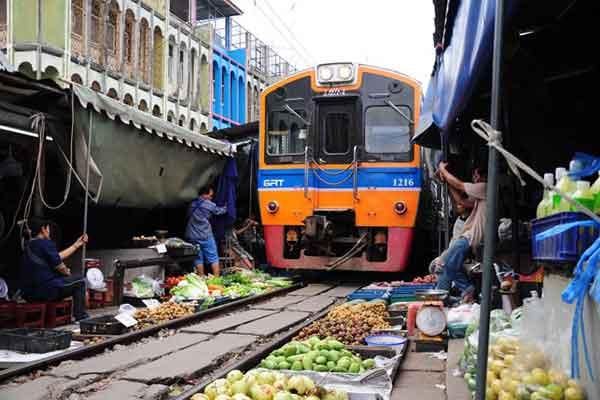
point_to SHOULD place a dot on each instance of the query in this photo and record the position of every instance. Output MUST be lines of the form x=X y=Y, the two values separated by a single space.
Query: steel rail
x=129 y=337
x=254 y=357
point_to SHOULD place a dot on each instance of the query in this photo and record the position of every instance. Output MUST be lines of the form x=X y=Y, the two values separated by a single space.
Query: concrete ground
x=426 y=376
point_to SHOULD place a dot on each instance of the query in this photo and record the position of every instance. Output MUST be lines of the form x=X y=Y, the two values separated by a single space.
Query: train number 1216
x=403 y=182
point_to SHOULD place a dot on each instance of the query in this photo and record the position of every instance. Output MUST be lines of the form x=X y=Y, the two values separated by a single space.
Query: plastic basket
x=567 y=246
x=368 y=294
x=412 y=288
x=27 y=340
x=105 y=325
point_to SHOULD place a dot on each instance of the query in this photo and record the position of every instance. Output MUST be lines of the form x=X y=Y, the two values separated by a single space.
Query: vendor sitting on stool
x=199 y=230
x=44 y=275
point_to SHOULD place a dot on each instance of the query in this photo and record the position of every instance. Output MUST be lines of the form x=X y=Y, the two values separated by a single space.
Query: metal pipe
x=306 y=171
x=87 y=188
x=492 y=192
x=355 y=173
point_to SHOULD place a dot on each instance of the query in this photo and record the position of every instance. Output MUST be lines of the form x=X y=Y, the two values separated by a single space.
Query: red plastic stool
x=96 y=299
x=7 y=314
x=58 y=313
x=30 y=315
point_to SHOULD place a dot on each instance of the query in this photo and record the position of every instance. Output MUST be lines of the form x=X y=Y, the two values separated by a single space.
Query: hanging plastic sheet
x=458 y=70
x=226 y=194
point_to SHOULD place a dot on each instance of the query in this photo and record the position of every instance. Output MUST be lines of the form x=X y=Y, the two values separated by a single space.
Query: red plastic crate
x=7 y=314
x=30 y=315
x=58 y=313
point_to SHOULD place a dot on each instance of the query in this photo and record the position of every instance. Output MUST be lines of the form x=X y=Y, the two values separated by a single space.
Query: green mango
x=284 y=365
x=278 y=352
x=289 y=350
x=297 y=366
x=307 y=363
x=298 y=357
x=345 y=353
x=321 y=360
x=330 y=365
x=269 y=364
x=368 y=363
x=340 y=369
x=344 y=363
x=354 y=368
x=303 y=349
x=324 y=353
x=335 y=345
x=333 y=355
x=321 y=368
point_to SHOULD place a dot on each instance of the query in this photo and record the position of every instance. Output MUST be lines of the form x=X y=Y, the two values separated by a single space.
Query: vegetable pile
x=314 y=354
x=192 y=287
x=350 y=324
x=267 y=385
x=165 y=312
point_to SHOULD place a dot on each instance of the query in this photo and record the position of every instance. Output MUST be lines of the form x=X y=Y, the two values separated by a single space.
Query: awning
x=457 y=70
x=138 y=160
x=151 y=124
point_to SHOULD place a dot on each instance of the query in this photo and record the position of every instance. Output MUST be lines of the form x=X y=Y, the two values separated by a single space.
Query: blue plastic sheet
x=458 y=70
x=226 y=194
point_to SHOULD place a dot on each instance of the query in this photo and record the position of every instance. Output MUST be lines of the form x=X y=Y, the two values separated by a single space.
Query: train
x=339 y=179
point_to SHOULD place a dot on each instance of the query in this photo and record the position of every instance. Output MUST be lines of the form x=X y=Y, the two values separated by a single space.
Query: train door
x=336 y=136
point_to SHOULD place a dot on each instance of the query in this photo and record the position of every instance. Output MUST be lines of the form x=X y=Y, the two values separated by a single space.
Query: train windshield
x=286 y=133
x=386 y=131
x=337 y=129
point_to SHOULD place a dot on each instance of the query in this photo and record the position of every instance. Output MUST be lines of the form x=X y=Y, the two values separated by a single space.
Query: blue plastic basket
x=369 y=294
x=412 y=288
x=567 y=246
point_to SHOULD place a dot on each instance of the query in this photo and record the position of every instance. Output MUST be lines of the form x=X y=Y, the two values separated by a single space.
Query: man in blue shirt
x=199 y=230
x=45 y=277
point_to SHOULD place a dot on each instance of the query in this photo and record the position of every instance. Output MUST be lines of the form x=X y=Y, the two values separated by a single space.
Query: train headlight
x=335 y=73
x=400 y=208
x=272 y=207
x=325 y=73
x=345 y=72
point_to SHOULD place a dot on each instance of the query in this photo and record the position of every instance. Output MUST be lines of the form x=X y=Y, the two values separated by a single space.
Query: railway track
x=130 y=337
x=205 y=346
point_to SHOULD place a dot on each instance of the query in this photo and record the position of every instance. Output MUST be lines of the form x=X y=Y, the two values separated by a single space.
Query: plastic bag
x=144 y=286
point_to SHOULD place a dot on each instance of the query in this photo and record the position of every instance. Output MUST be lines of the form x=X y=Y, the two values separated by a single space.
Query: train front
x=339 y=180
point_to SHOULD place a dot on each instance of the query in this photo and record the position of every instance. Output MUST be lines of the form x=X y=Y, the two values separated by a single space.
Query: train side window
x=337 y=130
x=386 y=131
x=286 y=135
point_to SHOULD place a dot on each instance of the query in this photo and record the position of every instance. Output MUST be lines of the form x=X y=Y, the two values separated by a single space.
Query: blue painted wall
x=229 y=101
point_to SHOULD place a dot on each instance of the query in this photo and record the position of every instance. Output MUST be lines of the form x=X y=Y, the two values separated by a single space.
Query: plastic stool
x=58 y=313
x=96 y=299
x=30 y=315
x=7 y=314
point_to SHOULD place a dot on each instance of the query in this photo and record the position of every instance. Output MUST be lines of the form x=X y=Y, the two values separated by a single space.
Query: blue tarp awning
x=457 y=70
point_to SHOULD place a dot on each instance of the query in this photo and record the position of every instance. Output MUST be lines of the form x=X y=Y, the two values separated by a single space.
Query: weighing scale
x=431 y=322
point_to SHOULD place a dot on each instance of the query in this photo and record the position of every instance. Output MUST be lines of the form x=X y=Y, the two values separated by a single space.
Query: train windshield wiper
x=399 y=111
x=294 y=113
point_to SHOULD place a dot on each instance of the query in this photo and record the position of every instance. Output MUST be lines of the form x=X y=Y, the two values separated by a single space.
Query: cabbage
x=143 y=286
x=191 y=288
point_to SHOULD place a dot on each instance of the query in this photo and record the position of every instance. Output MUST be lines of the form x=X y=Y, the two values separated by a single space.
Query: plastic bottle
x=583 y=195
x=596 y=192
x=566 y=185
x=544 y=208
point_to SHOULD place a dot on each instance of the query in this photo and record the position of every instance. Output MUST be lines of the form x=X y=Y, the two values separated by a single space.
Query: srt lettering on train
x=273 y=182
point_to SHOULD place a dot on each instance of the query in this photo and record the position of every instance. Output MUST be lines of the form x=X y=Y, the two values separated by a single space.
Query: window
x=144 y=50
x=76 y=17
x=386 y=131
x=129 y=22
x=96 y=28
x=180 y=67
x=111 y=29
x=286 y=134
x=337 y=133
x=170 y=62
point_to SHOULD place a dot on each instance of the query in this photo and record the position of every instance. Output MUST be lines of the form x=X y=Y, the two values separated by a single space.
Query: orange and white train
x=339 y=179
